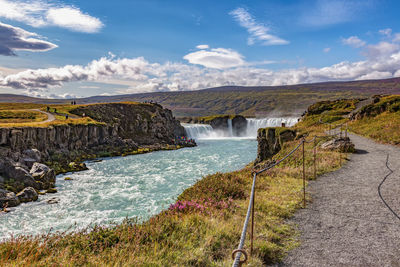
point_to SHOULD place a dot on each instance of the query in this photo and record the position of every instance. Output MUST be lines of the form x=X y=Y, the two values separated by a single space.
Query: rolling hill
x=247 y=101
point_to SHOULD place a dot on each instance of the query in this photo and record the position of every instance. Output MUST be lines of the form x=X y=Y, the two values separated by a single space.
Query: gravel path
x=347 y=223
x=50 y=117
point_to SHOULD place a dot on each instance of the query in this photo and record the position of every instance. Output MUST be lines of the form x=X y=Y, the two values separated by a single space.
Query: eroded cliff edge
x=30 y=157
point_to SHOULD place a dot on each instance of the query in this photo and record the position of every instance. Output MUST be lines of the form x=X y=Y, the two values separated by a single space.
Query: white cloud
x=396 y=38
x=40 y=13
x=257 y=31
x=14 y=38
x=139 y=75
x=326 y=49
x=204 y=46
x=63 y=96
x=73 y=19
x=381 y=50
x=387 y=32
x=353 y=41
x=217 y=58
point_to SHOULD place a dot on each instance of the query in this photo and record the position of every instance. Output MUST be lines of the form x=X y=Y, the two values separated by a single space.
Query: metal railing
x=237 y=253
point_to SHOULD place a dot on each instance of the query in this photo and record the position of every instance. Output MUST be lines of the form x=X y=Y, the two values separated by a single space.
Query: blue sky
x=82 y=48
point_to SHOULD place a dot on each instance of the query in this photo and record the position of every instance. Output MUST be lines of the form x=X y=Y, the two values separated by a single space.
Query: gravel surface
x=50 y=117
x=347 y=223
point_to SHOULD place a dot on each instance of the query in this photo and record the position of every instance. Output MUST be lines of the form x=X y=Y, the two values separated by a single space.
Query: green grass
x=21 y=116
x=380 y=121
x=383 y=128
x=201 y=229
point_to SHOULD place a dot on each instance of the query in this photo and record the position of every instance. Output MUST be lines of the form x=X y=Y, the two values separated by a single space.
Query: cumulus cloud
x=40 y=13
x=14 y=38
x=353 y=41
x=203 y=46
x=258 y=32
x=217 y=58
x=140 y=75
x=381 y=50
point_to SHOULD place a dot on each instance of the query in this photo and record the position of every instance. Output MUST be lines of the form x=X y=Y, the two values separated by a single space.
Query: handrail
x=237 y=253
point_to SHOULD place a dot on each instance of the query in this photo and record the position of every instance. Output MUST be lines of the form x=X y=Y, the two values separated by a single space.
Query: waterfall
x=196 y=131
x=254 y=124
x=230 y=130
x=205 y=131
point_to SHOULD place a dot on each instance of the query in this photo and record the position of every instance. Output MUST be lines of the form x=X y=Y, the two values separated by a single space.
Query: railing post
x=252 y=223
x=304 y=177
x=315 y=157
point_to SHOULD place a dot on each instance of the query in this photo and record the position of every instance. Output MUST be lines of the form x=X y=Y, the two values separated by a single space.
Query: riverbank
x=190 y=232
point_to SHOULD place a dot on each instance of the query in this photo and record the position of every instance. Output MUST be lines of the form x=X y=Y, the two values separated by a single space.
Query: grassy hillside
x=26 y=115
x=248 y=101
x=201 y=229
x=380 y=121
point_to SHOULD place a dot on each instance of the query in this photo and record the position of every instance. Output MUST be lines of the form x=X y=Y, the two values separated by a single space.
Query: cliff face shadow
x=361 y=151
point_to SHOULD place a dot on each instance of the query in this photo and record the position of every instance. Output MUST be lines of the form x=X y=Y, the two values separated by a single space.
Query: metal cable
x=236 y=262
x=282 y=159
x=246 y=223
x=380 y=186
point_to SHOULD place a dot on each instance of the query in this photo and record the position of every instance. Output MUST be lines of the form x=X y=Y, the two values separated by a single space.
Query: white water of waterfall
x=205 y=131
x=230 y=130
x=254 y=124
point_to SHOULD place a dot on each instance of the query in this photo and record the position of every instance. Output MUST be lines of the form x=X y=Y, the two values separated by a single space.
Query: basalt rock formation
x=270 y=141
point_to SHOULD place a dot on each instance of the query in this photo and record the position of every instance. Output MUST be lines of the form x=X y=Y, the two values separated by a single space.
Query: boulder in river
x=27 y=195
x=43 y=175
x=16 y=172
x=8 y=199
x=53 y=200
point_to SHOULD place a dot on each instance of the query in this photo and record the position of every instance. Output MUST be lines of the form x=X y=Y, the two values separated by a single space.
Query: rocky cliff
x=270 y=141
x=123 y=128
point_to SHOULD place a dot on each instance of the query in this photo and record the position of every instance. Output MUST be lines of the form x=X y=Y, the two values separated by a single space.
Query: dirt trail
x=347 y=223
x=50 y=117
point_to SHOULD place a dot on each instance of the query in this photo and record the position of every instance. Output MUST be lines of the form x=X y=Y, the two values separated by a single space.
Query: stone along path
x=347 y=224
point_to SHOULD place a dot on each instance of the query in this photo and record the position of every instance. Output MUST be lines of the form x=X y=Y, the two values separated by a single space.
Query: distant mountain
x=248 y=101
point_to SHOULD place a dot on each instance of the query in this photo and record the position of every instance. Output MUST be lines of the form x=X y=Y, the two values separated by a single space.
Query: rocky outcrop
x=270 y=141
x=239 y=125
x=27 y=195
x=8 y=199
x=377 y=105
x=44 y=176
x=343 y=145
x=142 y=123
